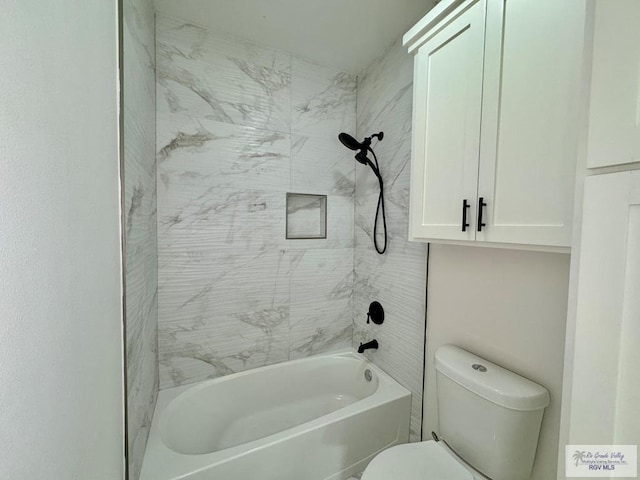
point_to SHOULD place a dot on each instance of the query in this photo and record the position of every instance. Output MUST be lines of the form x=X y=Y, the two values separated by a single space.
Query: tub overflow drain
x=479 y=368
x=368 y=375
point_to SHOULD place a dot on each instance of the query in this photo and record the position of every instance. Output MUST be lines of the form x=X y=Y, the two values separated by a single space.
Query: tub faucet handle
x=375 y=313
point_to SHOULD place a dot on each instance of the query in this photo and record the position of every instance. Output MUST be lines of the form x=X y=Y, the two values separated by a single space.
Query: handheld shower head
x=361 y=157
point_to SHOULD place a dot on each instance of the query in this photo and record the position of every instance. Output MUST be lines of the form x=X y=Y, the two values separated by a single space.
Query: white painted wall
x=60 y=275
x=509 y=307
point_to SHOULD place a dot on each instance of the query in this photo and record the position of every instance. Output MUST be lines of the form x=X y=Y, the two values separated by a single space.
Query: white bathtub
x=312 y=419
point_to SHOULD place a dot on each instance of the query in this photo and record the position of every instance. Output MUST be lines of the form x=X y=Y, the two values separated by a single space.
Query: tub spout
x=365 y=346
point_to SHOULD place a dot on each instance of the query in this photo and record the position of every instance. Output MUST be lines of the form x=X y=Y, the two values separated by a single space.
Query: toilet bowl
x=488 y=425
x=420 y=461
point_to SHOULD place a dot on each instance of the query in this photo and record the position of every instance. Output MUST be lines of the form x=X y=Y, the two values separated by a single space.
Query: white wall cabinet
x=608 y=310
x=614 y=119
x=449 y=69
x=495 y=132
x=602 y=393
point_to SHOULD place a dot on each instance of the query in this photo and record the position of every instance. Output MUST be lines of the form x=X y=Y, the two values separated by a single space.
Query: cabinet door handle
x=465 y=207
x=481 y=205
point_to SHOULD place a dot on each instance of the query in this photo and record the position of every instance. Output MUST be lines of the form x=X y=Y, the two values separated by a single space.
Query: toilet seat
x=419 y=461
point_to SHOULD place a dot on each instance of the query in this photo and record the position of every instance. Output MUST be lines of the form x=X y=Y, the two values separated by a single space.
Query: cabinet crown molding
x=443 y=10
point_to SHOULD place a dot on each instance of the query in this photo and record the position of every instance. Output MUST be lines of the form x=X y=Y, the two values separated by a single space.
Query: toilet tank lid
x=496 y=384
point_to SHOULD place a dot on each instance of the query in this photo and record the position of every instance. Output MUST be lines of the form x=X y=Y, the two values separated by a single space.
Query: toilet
x=488 y=425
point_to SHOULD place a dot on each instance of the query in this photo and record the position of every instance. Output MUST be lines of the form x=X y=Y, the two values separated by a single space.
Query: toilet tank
x=488 y=415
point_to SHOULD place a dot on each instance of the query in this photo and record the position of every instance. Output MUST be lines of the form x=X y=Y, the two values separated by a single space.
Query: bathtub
x=319 y=418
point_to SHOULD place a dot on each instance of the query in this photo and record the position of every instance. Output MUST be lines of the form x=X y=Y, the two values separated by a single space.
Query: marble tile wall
x=140 y=227
x=238 y=126
x=396 y=279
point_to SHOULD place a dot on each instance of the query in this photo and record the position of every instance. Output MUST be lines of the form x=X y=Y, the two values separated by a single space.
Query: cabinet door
x=614 y=117
x=528 y=151
x=606 y=391
x=446 y=128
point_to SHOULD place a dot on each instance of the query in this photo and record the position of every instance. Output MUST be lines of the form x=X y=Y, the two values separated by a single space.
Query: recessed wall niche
x=306 y=216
